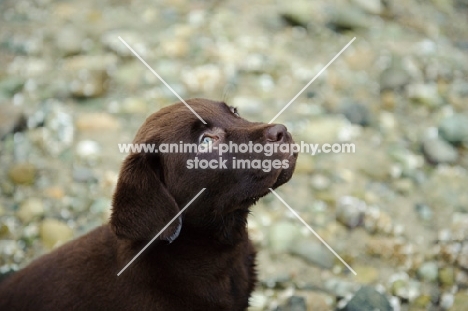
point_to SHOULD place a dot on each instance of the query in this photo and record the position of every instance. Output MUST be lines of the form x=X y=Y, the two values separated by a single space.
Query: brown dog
x=202 y=261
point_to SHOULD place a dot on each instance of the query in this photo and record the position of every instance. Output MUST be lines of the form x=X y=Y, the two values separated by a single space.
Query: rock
x=356 y=113
x=22 y=173
x=12 y=119
x=318 y=301
x=460 y=301
x=366 y=274
x=31 y=208
x=54 y=232
x=447 y=276
x=304 y=164
x=111 y=41
x=89 y=84
x=438 y=151
x=281 y=236
x=454 y=129
x=295 y=19
x=394 y=78
x=424 y=212
x=425 y=94
x=86 y=75
x=69 y=40
x=326 y=129
x=368 y=299
x=446 y=301
x=463 y=256
x=350 y=211
x=428 y=271
x=10 y=86
x=96 y=122
x=340 y=288
x=370 y=6
x=83 y=175
x=345 y=18
x=88 y=149
x=295 y=303
x=313 y=252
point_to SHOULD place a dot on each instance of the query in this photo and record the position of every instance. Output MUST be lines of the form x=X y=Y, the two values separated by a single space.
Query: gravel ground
x=396 y=210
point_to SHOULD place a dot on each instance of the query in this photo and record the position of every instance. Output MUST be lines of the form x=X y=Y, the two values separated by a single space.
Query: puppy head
x=153 y=187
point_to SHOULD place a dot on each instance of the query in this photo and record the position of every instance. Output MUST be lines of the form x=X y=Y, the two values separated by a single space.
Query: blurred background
x=396 y=210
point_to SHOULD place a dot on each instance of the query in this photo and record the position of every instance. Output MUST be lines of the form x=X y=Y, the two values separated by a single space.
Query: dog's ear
x=142 y=206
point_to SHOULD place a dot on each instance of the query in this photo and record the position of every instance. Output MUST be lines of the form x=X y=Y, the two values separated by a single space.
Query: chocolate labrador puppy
x=203 y=260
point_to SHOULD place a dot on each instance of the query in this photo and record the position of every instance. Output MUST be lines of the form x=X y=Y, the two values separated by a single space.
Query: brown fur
x=203 y=261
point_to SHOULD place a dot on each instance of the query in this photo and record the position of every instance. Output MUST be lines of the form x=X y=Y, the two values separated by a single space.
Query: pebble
x=30 y=209
x=313 y=252
x=438 y=151
x=281 y=236
x=69 y=40
x=425 y=94
x=447 y=276
x=356 y=113
x=54 y=232
x=394 y=78
x=428 y=271
x=460 y=301
x=83 y=175
x=370 y=6
x=345 y=18
x=12 y=119
x=368 y=299
x=96 y=122
x=424 y=212
x=88 y=149
x=350 y=211
x=294 y=303
x=325 y=129
x=22 y=173
x=454 y=129
x=111 y=41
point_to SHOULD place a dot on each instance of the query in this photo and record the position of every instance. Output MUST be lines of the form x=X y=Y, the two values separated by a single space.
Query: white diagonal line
x=313 y=231
x=313 y=79
x=162 y=80
x=162 y=230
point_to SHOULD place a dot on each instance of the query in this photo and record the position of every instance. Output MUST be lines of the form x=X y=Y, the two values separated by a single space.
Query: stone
x=368 y=299
x=454 y=129
x=83 y=175
x=295 y=303
x=370 y=6
x=366 y=274
x=54 y=232
x=394 y=78
x=350 y=211
x=447 y=276
x=313 y=252
x=10 y=86
x=428 y=271
x=460 y=301
x=425 y=94
x=345 y=18
x=12 y=119
x=22 y=173
x=30 y=209
x=88 y=149
x=281 y=235
x=69 y=40
x=356 y=113
x=438 y=151
x=96 y=122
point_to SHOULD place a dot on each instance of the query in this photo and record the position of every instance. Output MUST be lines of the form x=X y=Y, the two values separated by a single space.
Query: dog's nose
x=276 y=133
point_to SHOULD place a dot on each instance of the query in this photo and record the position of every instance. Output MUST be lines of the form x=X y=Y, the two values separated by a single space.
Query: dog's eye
x=234 y=111
x=206 y=140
